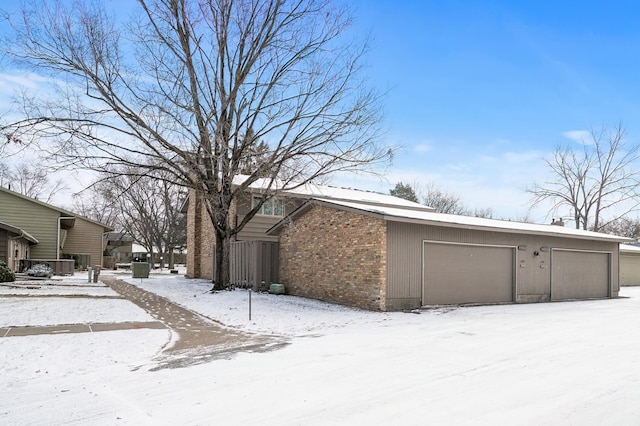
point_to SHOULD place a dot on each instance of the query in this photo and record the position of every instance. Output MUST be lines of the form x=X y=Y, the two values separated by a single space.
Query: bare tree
x=146 y=208
x=623 y=226
x=441 y=201
x=31 y=181
x=599 y=177
x=189 y=86
x=93 y=204
x=486 y=213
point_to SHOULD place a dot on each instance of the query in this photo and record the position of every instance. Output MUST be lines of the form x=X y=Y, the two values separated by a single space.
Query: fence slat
x=252 y=262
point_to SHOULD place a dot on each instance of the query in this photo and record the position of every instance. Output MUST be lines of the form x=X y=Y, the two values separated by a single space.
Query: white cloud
x=422 y=147
x=580 y=136
x=29 y=80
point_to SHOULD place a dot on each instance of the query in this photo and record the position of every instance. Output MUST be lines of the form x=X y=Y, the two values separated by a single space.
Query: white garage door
x=579 y=275
x=458 y=273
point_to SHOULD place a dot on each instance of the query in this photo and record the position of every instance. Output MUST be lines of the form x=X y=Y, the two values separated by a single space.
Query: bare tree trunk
x=171 y=258
x=221 y=279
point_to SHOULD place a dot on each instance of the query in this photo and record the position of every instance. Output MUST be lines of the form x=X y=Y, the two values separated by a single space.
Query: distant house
x=47 y=234
x=117 y=249
x=201 y=236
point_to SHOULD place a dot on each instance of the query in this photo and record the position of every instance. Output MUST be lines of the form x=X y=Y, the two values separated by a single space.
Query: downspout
x=58 y=235
x=102 y=247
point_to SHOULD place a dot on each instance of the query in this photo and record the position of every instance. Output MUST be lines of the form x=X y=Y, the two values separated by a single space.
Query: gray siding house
x=387 y=258
x=55 y=233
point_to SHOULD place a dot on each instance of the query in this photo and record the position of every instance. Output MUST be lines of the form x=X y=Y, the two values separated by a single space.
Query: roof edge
x=52 y=207
x=359 y=208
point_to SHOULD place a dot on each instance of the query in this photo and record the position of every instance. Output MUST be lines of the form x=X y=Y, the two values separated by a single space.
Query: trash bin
x=96 y=273
x=140 y=270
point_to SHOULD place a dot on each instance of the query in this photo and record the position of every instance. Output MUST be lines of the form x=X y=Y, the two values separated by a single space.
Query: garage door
x=579 y=275
x=629 y=269
x=456 y=273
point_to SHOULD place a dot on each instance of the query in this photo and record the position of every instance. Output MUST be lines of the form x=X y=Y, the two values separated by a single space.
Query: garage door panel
x=455 y=274
x=579 y=275
x=629 y=270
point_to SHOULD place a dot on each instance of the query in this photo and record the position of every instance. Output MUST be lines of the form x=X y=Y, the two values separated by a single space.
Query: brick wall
x=200 y=238
x=193 y=235
x=335 y=255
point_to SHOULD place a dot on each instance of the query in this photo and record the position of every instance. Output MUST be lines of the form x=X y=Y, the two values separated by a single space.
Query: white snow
x=431 y=217
x=572 y=363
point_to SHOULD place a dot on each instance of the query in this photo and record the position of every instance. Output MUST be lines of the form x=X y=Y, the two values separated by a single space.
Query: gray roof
x=18 y=231
x=454 y=221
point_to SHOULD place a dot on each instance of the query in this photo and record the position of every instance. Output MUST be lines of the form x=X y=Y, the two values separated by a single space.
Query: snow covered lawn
x=539 y=364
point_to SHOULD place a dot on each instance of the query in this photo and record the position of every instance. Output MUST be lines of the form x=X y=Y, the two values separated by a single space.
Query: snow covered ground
x=574 y=363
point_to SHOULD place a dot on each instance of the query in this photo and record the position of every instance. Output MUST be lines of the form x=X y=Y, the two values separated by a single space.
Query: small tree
x=598 y=177
x=405 y=191
x=6 y=274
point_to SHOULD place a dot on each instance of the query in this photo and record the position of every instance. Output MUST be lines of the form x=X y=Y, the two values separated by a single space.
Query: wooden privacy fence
x=254 y=264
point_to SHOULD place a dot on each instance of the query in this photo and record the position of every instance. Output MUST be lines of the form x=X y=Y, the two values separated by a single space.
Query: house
x=48 y=234
x=201 y=236
x=14 y=245
x=117 y=249
x=629 y=264
x=389 y=258
x=379 y=252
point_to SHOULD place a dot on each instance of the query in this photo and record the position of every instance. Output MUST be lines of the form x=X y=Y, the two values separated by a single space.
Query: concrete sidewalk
x=194 y=338
x=29 y=330
x=198 y=339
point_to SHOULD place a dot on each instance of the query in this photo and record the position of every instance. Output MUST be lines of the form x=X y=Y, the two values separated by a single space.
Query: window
x=272 y=207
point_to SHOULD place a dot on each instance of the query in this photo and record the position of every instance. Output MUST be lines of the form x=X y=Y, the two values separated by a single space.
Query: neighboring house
x=201 y=236
x=118 y=249
x=385 y=258
x=14 y=245
x=56 y=233
x=629 y=264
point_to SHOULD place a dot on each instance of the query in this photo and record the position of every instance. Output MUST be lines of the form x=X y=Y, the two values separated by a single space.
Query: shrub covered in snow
x=40 y=270
x=6 y=274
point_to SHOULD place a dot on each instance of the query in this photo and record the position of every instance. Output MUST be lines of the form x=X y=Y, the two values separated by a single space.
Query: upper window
x=272 y=207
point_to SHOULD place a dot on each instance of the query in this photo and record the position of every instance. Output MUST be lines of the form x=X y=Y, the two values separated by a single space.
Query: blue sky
x=479 y=92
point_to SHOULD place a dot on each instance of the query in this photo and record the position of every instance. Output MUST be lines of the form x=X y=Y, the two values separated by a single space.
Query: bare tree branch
x=600 y=177
x=191 y=86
